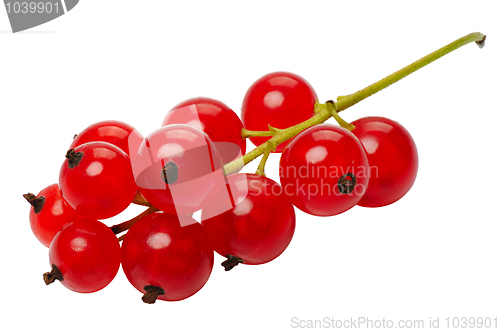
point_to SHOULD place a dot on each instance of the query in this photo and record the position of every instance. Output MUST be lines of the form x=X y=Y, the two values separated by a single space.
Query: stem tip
x=481 y=42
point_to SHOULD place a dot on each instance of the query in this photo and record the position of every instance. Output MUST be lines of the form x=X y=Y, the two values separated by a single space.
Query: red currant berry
x=49 y=213
x=96 y=179
x=393 y=159
x=324 y=170
x=85 y=256
x=111 y=131
x=167 y=257
x=215 y=119
x=280 y=100
x=253 y=222
x=177 y=168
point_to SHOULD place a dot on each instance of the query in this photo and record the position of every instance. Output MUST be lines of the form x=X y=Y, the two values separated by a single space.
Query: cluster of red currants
x=181 y=168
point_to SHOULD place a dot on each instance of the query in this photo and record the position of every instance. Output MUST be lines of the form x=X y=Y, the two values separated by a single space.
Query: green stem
x=347 y=101
x=245 y=133
x=262 y=164
x=350 y=100
x=331 y=107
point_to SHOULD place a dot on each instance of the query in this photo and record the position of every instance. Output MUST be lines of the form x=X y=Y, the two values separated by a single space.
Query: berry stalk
x=140 y=200
x=324 y=112
x=117 y=229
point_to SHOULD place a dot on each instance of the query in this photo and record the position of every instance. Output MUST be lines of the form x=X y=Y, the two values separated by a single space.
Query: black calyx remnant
x=170 y=173
x=74 y=158
x=346 y=183
x=231 y=262
x=36 y=202
x=53 y=275
x=152 y=292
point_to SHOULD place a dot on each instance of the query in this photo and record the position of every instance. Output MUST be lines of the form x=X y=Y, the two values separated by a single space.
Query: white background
x=434 y=253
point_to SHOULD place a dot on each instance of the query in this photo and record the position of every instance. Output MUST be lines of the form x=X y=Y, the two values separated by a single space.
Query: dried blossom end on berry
x=152 y=293
x=53 y=275
x=36 y=202
x=74 y=158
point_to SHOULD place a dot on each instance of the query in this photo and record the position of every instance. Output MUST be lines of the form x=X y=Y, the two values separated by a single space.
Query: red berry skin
x=315 y=165
x=278 y=99
x=102 y=184
x=167 y=251
x=110 y=131
x=215 y=119
x=393 y=159
x=188 y=155
x=87 y=254
x=258 y=224
x=55 y=213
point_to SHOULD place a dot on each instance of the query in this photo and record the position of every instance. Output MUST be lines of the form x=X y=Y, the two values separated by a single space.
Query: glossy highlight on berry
x=177 y=168
x=167 y=257
x=280 y=100
x=393 y=156
x=214 y=118
x=49 y=213
x=249 y=219
x=110 y=131
x=96 y=180
x=86 y=256
x=324 y=171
